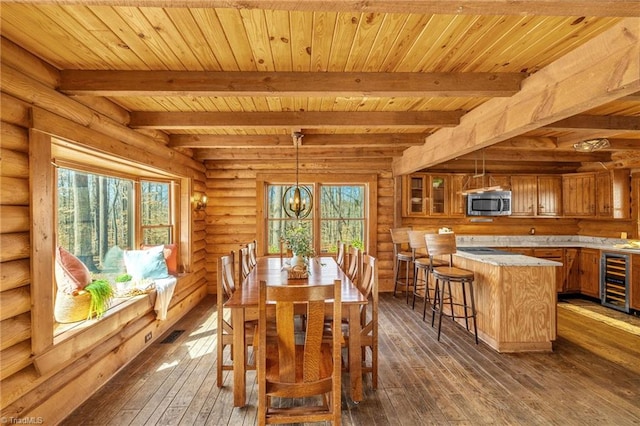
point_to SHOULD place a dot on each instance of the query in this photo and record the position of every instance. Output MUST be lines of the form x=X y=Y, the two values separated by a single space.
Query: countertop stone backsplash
x=542 y=241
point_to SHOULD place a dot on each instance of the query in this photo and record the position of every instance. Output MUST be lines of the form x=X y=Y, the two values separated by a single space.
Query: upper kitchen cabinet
x=414 y=201
x=612 y=194
x=579 y=190
x=533 y=195
x=603 y=194
x=428 y=194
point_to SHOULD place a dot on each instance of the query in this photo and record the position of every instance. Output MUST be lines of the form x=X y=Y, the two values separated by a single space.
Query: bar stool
x=403 y=259
x=422 y=265
x=445 y=244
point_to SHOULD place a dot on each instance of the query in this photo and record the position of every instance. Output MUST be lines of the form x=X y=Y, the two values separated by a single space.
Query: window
x=342 y=216
x=339 y=213
x=276 y=217
x=97 y=216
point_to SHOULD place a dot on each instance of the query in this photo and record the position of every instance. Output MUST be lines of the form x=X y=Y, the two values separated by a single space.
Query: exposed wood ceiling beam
x=292 y=119
x=469 y=166
x=307 y=153
x=618 y=123
x=600 y=71
x=622 y=8
x=183 y=83
x=492 y=154
x=635 y=97
x=337 y=140
x=527 y=143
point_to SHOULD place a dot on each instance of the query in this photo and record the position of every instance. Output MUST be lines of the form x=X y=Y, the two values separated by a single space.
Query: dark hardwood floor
x=591 y=378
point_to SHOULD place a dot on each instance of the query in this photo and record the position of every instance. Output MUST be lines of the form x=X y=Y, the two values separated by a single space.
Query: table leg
x=355 y=353
x=239 y=361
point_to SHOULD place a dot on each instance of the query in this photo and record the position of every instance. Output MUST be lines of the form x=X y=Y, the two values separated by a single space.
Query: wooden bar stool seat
x=459 y=307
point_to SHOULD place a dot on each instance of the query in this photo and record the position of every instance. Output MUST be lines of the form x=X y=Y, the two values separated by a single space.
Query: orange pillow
x=170 y=256
x=71 y=274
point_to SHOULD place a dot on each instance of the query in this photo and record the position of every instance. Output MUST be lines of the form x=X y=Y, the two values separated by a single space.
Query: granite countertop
x=510 y=259
x=544 y=241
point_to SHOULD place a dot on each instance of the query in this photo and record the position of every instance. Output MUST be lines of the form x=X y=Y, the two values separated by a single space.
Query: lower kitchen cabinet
x=634 y=296
x=590 y=272
x=572 y=270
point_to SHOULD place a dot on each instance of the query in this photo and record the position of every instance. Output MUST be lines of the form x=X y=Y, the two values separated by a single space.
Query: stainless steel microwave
x=493 y=203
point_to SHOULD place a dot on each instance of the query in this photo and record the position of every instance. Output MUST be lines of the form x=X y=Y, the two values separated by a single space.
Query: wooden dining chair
x=301 y=369
x=225 y=287
x=369 y=317
x=353 y=267
x=245 y=264
x=341 y=248
x=253 y=253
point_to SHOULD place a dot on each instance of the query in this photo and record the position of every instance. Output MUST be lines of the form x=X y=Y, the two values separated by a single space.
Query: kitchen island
x=515 y=299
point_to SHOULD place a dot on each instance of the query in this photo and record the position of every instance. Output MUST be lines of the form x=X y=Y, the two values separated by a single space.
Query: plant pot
x=297 y=261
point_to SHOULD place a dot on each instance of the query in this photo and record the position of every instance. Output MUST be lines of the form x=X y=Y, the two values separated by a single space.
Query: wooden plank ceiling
x=233 y=79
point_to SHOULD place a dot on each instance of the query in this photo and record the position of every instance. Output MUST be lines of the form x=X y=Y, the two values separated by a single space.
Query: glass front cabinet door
x=439 y=195
x=415 y=197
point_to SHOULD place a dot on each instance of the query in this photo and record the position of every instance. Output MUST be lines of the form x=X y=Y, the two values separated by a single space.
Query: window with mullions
x=97 y=216
x=342 y=216
x=277 y=219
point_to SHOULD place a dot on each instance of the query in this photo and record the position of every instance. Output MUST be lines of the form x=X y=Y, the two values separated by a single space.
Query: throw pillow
x=71 y=274
x=146 y=263
x=170 y=256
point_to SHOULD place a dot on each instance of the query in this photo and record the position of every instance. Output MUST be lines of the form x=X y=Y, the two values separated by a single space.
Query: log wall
x=57 y=388
x=231 y=220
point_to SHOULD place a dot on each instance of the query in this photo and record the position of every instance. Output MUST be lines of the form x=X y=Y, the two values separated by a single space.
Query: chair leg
x=406 y=281
x=436 y=301
x=464 y=304
x=441 y=307
x=396 y=272
x=473 y=311
x=415 y=285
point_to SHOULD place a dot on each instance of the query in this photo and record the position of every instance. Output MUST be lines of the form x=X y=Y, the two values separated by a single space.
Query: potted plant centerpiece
x=297 y=237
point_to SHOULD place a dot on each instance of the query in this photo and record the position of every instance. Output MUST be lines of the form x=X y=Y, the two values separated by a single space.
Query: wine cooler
x=614 y=281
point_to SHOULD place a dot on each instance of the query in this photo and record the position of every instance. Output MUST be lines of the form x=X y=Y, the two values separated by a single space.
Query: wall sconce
x=199 y=202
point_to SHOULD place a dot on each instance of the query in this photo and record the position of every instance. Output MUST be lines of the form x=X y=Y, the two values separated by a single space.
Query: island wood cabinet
x=555 y=254
x=590 y=272
x=533 y=195
x=427 y=194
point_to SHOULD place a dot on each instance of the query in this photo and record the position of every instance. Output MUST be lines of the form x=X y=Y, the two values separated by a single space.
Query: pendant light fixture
x=297 y=200
x=591 y=145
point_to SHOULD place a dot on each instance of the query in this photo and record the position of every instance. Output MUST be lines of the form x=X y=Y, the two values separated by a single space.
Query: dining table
x=322 y=271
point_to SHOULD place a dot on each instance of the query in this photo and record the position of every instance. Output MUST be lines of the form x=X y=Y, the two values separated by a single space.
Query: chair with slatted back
x=353 y=266
x=225 y=287
x=298 y=379
x=340 y=254
x=459 y=306
x=421 y=266
x=369 y=317
x=253 y=253
x=245 y=265
x=403 y=258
